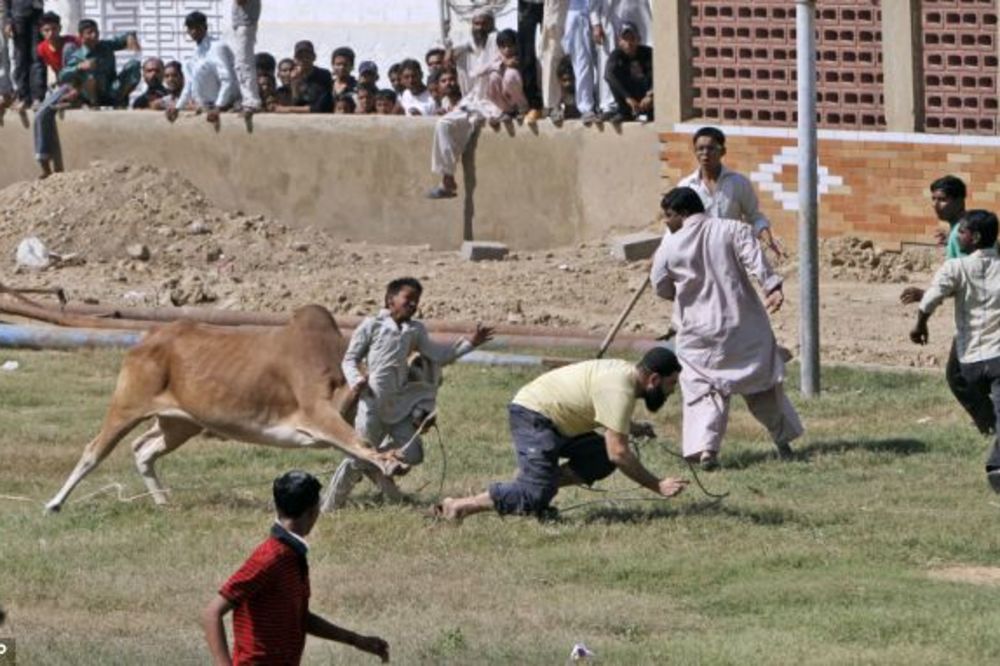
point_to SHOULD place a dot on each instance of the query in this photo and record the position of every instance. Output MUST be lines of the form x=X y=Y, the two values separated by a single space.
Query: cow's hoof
x=51 y=508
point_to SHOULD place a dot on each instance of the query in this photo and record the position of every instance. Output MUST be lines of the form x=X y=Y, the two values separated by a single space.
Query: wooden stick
x=621 y=319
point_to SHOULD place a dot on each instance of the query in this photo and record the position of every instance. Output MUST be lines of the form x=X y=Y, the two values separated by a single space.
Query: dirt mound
x=146 y=236
x=853 y=258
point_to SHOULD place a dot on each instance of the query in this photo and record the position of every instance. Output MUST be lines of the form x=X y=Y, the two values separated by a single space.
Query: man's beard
x=654 y=398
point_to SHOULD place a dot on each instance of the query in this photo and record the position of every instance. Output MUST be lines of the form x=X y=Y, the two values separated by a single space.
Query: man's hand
x=941 y=236
x=768 y=239
x=483 y=335
x=132 y=43
x=774 y=300
x=642 y=430
x=911 y=295
x=672 y=486
x=172 y=113
x=8 y=30
x=373 y=645
x=633 y=104
x=598 y=34
x=87 y=65
x=919 y=335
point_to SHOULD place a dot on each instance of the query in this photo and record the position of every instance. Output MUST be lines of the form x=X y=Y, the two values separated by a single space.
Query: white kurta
x=724 y=342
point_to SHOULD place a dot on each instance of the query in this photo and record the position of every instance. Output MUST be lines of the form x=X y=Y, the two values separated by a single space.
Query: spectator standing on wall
x=725 y=193
x=496 y=96
x=543 y=92
x=578 y=43
x=312 y=87
x=93 y=67
x=22 y=24
x=246 y=17
x=629 y=76
x=606 y=20
x=209 y=74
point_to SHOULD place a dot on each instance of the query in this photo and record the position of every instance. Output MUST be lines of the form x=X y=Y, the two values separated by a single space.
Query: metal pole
x=805 y=18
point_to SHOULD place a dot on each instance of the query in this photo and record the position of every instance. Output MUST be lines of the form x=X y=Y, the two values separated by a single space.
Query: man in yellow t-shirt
x=556 y=415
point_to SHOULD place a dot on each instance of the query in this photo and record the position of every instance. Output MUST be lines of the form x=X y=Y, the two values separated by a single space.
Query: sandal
x=440 y=192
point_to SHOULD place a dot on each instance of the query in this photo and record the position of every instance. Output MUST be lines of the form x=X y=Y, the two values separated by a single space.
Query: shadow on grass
x=642 y=514
x=900 y=446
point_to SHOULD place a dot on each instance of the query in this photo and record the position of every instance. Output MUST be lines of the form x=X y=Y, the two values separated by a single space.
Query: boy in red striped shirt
x=269 y=594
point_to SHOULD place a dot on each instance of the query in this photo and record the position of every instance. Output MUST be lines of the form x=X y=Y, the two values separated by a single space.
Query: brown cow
x=281 y=387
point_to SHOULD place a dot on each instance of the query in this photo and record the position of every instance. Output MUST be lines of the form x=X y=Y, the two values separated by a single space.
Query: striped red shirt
x=270 y=593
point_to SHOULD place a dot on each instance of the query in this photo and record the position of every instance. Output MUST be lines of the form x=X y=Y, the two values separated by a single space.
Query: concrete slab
x=635 y=247
x=483 y=251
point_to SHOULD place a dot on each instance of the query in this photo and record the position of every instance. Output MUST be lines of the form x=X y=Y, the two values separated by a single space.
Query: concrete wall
x=365 y=177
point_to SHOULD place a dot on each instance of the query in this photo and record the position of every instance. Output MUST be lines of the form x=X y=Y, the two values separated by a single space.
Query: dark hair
x=506 y=37
x=397 y=285
x=369 y=88
x=984 y=223
x=343 y=52
x=195 y=19
x=266 y=62
x=434 y=76
x=348 y=99
x=295 y=493
x=395 y=67
x=49 y=18
x=952 y=186
x=87 y=24
x=387 y=94
x=410 y=63
x=290 y=61
x=565 y=67
x=174 y=64
x=712 y=132
x=660 y=360
x=683 y=201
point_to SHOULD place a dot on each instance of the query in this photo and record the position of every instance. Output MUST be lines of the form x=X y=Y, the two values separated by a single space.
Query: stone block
x=483 y=251
x=637 y=246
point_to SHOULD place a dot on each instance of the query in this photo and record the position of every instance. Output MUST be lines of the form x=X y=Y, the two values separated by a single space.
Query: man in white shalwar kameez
x=724 y=339
x=496 y=94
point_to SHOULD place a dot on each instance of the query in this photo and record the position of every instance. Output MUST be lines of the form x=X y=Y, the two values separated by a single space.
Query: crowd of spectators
x=598 y=69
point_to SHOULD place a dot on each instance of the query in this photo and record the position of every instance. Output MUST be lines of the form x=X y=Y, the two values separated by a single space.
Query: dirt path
x=103 y=218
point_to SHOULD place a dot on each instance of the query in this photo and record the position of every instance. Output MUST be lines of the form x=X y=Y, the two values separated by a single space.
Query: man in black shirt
x=312 y=87
x=630 y=76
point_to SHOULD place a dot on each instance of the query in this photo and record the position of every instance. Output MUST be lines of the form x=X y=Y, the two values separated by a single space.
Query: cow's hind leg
x=166 y=435
x=115 y=427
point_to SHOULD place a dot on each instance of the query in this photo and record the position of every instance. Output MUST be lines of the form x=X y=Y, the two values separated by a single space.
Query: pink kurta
x=724 y=339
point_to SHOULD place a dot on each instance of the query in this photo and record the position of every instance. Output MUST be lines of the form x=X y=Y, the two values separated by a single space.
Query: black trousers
x=29 y=72
x=529 y=19
x=976 y=402
x=983 y=378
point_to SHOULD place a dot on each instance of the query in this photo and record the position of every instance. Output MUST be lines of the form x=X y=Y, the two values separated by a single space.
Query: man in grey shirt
x=974 y=282
x=246 y=16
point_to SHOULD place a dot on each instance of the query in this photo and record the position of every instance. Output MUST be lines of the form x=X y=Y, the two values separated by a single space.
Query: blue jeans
x=46 y=131
x=538 y=446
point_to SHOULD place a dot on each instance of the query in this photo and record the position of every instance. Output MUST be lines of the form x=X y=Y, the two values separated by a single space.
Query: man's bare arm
x=215 y=631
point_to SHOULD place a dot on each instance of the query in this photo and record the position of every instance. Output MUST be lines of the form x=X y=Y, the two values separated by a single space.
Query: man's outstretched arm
x=317 y=626
x=620 y=453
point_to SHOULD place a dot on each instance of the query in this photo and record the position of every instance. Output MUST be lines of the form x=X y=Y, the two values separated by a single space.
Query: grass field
x=874 y=546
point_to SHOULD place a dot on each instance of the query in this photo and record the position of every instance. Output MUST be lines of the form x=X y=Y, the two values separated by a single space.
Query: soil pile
x=139 y=235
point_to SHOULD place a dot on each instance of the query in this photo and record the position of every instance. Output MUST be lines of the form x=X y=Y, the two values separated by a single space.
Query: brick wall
x=872 y=185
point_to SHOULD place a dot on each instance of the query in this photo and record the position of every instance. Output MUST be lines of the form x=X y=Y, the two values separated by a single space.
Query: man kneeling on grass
x=974 y=282
x=555 y=416
x=269 y=594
